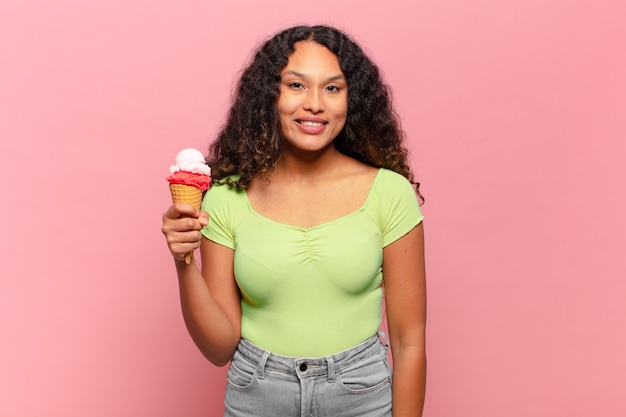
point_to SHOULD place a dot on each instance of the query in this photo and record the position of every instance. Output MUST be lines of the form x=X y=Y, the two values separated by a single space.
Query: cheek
x=342 y=110
x=285 y=104
x=342 y=114
x=283 y=113
x=280 y=106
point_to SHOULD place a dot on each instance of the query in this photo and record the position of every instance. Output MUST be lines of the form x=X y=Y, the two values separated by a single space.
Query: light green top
x=311 y=292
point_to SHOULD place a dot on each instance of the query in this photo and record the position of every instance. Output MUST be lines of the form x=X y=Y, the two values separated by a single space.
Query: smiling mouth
x=311 y=124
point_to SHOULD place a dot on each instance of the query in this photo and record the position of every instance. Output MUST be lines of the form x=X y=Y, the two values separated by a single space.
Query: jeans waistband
x=310 y=367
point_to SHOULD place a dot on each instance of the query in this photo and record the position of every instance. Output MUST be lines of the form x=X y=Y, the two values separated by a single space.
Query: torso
x=310 y=281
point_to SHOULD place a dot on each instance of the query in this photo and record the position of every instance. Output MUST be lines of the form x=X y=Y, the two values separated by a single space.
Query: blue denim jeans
x=352 y=383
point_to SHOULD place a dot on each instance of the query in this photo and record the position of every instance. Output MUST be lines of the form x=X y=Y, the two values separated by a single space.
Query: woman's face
x=313 y=100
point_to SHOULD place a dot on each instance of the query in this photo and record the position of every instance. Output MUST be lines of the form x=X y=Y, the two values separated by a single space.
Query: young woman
x=312 y=216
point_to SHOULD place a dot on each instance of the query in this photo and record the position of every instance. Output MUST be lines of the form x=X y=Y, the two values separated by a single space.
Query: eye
x=333 y=88
x=295 y=85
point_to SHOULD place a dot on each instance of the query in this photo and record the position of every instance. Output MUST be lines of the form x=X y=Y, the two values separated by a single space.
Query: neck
x=306 y=165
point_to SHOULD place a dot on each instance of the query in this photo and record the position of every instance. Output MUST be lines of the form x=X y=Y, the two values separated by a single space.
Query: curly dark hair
x=250 y=142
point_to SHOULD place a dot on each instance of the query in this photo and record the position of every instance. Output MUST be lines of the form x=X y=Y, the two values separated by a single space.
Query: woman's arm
x=209 y=298
x=405 y=300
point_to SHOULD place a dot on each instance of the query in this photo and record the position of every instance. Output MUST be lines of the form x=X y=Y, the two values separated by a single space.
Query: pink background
x=516 y=116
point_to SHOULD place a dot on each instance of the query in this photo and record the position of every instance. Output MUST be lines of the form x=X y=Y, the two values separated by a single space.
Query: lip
x=311 y=125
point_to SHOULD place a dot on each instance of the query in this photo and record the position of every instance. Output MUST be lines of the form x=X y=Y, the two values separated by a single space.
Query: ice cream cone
x=186 y=194
x=190 y=178
x=190 y=195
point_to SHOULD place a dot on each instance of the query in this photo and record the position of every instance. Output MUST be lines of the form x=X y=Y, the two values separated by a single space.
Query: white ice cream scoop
x=190 y=160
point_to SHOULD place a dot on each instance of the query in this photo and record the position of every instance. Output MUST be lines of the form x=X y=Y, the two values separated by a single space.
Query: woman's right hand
x=181 y=226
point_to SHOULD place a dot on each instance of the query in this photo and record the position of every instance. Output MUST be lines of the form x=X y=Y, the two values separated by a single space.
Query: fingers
x=178 y=210
x=203 y=218
x=181 y=226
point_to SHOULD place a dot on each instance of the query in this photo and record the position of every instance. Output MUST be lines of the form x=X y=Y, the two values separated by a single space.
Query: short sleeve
x=399 y=208
x=220 y=202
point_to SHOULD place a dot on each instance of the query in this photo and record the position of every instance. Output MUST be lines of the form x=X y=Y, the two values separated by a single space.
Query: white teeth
x=312 y=124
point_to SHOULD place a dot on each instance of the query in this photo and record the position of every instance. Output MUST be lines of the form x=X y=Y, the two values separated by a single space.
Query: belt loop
x=331 y=368
x=261 y=366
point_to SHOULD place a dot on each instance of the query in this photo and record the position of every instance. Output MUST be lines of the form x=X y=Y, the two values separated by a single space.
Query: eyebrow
x=301 y=75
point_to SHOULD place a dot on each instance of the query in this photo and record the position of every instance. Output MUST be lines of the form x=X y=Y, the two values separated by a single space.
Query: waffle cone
x=190 y=195
x=186 y=194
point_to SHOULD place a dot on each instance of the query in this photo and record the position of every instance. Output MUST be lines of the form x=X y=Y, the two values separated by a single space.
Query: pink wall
x=515 y=112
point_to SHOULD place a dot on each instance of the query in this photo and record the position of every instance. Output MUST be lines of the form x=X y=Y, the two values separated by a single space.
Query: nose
x=314 y=101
